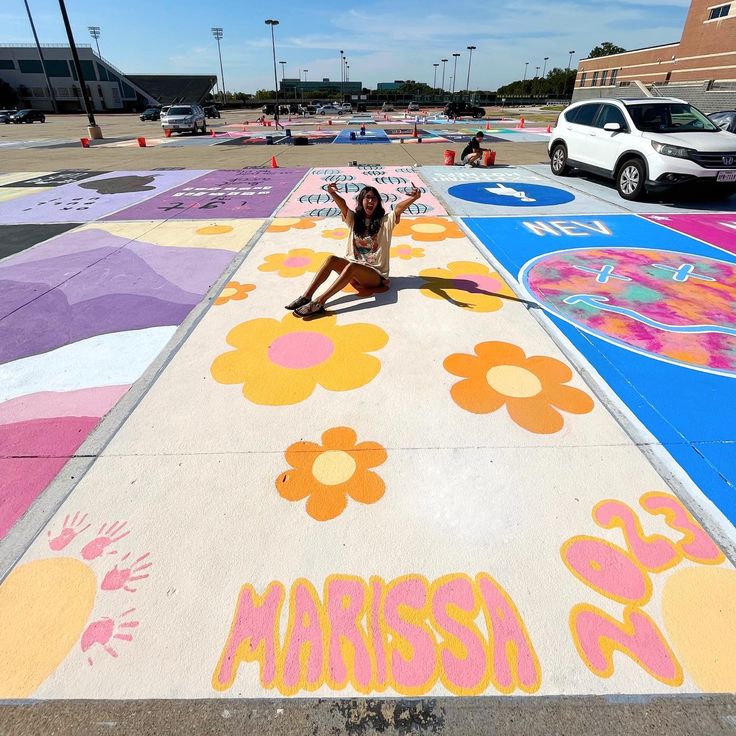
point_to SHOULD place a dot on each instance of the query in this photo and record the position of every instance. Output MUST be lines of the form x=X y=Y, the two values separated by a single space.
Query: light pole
x=94 y=130
x=342 y=72
x=434 y=86
x=544 y=68
x=444 y=61
x=470 y=59
x=272 y=23
x=40 y=56
x=95 y=32
x=526 y=64
x=536 y=73
x=454 y=74
x=217 y=33
x=569 y=61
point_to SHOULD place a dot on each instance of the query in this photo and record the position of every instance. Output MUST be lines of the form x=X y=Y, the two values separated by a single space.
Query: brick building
x=700 y=67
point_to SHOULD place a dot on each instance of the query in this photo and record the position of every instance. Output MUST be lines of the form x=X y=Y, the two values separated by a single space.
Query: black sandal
x=299 y=302
x=312 y=309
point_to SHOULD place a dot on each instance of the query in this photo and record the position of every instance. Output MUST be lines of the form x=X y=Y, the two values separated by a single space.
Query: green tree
x=605 y=49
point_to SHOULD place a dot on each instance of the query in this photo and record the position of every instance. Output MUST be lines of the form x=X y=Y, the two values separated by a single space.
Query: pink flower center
x=488 y=284
x=404 y=250
x=296 y=261
x=300 y=349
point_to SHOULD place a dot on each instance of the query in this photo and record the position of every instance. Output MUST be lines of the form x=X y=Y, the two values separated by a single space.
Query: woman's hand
x=332 y=189
x=415 y=193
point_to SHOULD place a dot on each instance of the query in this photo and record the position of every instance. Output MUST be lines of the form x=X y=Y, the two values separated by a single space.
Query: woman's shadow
x=437 y=286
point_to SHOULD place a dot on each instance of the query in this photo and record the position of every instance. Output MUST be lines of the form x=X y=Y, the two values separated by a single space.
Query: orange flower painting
x=282 y=224
x=533 y=389
x=234 y=291
x=330 y=473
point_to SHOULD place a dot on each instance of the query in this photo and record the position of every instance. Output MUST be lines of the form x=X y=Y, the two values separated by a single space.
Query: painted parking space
x=651 y=310
x=509 y=190
x=310 y=198
x=605 y=191
x=82 y=315
x=93 y=197
x=299 y=460
x=371 y=135
x=416 y=494
x=718 y=229
x=238 y=193
x=17 y=238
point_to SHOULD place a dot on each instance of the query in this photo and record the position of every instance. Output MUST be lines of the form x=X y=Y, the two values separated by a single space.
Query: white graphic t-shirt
x=371 y=250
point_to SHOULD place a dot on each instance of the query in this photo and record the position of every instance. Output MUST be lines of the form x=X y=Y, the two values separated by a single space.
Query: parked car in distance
x=413 y=107
x=362 y=107
x=183 y=118
x=5 y=115
x=28 y=116
x=645 y=145
x=151 y=113
x=725 y=120
x=210 y=111
x=460 y=109
x=165 y=109
x=269 y=108
x=329 y=109
x=346 y=107
x=387 y=107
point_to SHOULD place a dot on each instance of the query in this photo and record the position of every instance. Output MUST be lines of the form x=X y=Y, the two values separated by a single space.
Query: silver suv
x=645 y=145
x=184 y=118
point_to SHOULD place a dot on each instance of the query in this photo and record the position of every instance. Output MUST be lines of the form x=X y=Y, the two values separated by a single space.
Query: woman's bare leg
x=351 y=272
x=332 y=264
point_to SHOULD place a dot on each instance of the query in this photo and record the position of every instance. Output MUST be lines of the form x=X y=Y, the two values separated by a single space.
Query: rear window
x=586 y=114
x=180 y=110
x=571 y=115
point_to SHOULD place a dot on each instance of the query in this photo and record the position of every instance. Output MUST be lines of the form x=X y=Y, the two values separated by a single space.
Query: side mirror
x=612 y=127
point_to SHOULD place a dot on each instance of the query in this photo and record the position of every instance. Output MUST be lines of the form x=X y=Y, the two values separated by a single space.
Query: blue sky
x=383 y=40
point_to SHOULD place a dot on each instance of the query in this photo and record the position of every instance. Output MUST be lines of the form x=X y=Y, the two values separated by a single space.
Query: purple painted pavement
x=124 y=289
x=718 y=229
x=92 y=198
x=239 y=193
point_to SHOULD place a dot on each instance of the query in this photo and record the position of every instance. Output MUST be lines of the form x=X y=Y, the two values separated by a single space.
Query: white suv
x=644 y=145
x=180 y=118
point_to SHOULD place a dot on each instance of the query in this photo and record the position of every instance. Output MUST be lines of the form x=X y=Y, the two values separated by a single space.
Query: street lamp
x=569 y=61
x=272 y=23
x=470 y=59
x=95 y=32
x=93 y=130
x=40 y=56
x=526 y=64
x=217 y=33
x=454 y=74
x=544 y=69
x=444 y=61
x=434 y=85
x=536 y=73
x=342 y=73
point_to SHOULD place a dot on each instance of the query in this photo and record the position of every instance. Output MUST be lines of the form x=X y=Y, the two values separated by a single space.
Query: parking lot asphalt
x=510 y=474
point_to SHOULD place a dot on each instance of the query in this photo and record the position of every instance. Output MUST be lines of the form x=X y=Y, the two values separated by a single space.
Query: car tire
x=204 y=128
x=558 y=160
x=631 y=179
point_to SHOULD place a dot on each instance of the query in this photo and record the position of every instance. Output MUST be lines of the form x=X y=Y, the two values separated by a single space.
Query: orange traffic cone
x=414 y=134
x=167 y=132
x=549 y=128
x=488 y=126
x=274 y=165
x=213 y=134
x=521 y=123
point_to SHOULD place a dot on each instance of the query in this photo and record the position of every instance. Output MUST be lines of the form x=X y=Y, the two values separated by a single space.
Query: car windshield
x=180 y=111
x=673 y=117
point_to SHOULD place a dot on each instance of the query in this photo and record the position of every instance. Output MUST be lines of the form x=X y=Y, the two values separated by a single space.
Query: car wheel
x=630 y=179
x=204 y=127
x=558 y=160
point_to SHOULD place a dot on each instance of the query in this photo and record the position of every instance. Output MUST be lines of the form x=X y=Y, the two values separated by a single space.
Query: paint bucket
x=419 y=139
x=352 y=135
x=142 y=142
x=288 y=132
x=489 y=158
x=449 y=157
x=167 y=132
x=84 y=142
x=269 y=140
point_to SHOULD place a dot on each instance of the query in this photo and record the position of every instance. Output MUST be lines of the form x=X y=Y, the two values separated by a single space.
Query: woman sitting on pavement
x=366 y=259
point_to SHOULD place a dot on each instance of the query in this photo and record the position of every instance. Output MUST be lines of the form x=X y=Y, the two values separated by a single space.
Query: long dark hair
x=361 y=225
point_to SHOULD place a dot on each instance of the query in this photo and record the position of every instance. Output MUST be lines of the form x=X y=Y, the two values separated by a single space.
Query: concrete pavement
x=431 y=491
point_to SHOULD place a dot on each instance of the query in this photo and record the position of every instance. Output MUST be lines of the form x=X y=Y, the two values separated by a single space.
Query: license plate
x=726 y=176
